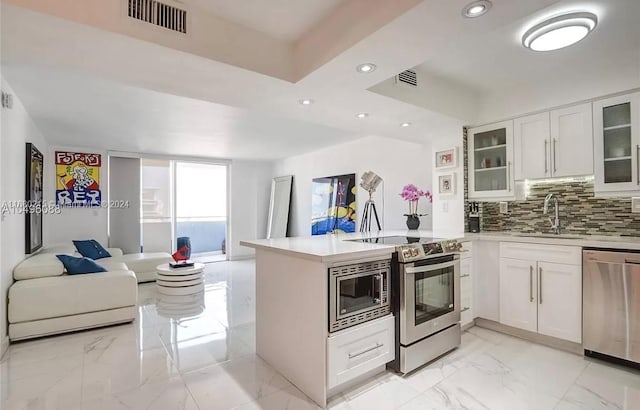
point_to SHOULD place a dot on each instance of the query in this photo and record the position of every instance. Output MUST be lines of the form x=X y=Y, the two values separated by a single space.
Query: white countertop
x=335 y=248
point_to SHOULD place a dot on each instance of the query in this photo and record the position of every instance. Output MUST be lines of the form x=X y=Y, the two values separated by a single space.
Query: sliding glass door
x=201 y=209
x=184 y=202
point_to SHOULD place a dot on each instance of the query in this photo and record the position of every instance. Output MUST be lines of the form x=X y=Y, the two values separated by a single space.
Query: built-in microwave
x=358 y=293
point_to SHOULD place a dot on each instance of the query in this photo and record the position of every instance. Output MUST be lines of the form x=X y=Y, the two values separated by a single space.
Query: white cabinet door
x=560 y=301
x=490 y=169
x=518 y=294
x=572 y=141
x=466 y=292
x=616 y=128
x=531 y=142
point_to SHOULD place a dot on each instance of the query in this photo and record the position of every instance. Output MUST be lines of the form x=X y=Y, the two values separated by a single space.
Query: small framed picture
x=447 y=158
x=447 y=184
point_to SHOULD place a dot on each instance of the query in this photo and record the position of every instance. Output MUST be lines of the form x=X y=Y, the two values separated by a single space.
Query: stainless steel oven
x=358 y=293
x=430 y=297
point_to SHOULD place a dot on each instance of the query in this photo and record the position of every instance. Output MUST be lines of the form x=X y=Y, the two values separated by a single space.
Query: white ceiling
x=282 y=19
x=172 y=100
x=76 y=110
x=495 y=59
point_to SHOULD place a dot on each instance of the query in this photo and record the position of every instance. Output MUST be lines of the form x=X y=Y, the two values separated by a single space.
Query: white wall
x=74 y=223
x=448 y=211
x=397 y=162
x=17 y=130
x=250 y=192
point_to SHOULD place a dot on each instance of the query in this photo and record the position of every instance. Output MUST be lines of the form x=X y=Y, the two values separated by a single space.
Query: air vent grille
x=408 y=77
x=159 y=14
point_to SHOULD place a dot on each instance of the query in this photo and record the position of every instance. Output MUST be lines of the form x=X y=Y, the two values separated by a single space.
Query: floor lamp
x=369 y=182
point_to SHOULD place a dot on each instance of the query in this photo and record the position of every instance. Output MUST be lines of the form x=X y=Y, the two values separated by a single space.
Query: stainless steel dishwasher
x=611 y=305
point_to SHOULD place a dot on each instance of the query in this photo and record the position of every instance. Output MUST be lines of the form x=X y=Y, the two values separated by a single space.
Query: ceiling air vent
x=159 y=14
x=408 y=77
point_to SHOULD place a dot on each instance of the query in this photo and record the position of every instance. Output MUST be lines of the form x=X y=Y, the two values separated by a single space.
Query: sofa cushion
x=40 y=265
x=144 y=262
x=65 y=295
x=91 y=249
x=113 y=264
x=75 y=266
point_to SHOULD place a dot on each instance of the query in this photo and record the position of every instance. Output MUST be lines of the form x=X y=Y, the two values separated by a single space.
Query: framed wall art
x=333 y=204
x=447 y=184
x=447 y=158
x=33 y=197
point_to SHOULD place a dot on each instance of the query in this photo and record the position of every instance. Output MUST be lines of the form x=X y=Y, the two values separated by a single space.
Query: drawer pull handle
x=354 y=355
x=465 y=275
x=465 y=309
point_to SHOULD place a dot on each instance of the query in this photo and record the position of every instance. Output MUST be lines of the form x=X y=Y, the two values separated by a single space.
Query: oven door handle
x=429 y=268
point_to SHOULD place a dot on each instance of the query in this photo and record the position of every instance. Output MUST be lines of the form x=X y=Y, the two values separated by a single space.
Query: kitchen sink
x=547 y=235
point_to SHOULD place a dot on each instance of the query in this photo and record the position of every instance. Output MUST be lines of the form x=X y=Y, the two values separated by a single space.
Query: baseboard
x=553 y=342
x=242 y=258
x=4 y=345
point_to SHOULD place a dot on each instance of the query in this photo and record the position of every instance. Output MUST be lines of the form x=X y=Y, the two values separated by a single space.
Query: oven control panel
x=411 y=252
x=417 y=251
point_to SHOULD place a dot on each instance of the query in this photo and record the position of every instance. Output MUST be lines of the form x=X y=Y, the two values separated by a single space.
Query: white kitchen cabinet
x=560 y=301
x=541 y=289
x=554 y=144
x=616 y=123
x=531 y=139
x=517 y=294
x=571 y=145
x=355 y=351
x=490 y=169
x=466 y=284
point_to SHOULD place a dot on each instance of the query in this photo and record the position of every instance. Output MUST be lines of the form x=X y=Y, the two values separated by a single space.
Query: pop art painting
x=78 y=179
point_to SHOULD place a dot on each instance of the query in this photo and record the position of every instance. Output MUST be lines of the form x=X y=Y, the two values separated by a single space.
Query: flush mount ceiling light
x=362 y=115
x=405 y=124
x=560 y=31
x=366 y=68
x=476 y=9
x=306 y=102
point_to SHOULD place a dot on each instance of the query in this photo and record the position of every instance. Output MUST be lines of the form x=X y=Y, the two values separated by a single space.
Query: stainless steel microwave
x=358 y=293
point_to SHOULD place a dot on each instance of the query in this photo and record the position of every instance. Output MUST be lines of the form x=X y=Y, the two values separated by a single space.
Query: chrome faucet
x=555 y=224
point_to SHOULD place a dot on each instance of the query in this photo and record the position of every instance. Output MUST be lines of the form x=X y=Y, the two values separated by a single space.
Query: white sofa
x=44 y=300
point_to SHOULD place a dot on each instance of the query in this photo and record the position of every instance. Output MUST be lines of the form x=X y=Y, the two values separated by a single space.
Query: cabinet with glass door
x=617 y=144
x=490 y=167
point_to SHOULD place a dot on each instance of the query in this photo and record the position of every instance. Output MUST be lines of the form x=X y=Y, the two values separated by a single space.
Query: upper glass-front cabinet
x=617 y=144
x=491 y=161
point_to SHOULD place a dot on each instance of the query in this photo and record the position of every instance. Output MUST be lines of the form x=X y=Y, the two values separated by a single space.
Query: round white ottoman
x=180 y=281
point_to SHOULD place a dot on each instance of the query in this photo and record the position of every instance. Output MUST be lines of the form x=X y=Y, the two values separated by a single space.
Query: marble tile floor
x=199 y=353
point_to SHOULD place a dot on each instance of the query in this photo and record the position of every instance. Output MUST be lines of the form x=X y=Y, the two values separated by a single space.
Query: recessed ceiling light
x=366 y=68
x=362 y=115
x=560 y=31
x=306 y=102
x=476 y=9
x=405 y=124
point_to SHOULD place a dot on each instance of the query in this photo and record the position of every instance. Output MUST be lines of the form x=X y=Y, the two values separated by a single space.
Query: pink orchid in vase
x=412 y=194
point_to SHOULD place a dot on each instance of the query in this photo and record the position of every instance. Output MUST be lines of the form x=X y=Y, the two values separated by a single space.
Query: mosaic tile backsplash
x=580 y=211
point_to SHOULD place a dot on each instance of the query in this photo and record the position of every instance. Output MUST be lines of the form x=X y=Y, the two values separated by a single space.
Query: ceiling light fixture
x=405 y=124
x=476 y=9
x=560 y=31
x=366 y=68
x=362 y=115
x=306 y=102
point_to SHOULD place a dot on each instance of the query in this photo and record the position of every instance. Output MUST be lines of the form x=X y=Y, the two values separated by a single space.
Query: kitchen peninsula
x=292 y=313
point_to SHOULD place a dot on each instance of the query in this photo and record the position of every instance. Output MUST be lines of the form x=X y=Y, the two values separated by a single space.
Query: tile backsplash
x=580 y=211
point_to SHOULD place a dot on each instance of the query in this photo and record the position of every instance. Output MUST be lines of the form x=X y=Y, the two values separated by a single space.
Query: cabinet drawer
x=355 y=351
x=569 y=255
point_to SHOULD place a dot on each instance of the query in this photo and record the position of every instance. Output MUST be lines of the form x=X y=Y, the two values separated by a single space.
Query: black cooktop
x=397 y=240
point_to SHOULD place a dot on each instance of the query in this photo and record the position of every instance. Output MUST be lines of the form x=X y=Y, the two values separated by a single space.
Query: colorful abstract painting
x=78 y=179
x=333 y=204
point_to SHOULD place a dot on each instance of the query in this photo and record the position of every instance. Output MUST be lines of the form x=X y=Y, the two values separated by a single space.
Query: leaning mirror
x=279 y=207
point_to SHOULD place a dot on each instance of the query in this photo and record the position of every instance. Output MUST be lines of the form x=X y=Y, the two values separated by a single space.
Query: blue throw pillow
x=91 y=249
x=75 y=265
